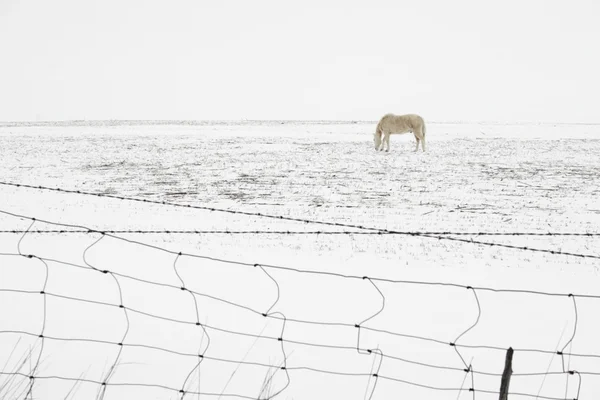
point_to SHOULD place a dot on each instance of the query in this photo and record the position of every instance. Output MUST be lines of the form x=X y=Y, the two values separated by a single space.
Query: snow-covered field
x=473 y=178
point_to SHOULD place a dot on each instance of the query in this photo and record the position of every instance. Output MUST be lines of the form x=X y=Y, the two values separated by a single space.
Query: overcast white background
x=511 y=61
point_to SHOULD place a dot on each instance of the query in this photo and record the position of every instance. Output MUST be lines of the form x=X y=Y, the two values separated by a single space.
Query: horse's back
x=403 y=122
x=412 y=118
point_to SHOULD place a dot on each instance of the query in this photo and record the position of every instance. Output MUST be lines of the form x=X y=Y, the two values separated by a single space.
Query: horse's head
x=377 y=140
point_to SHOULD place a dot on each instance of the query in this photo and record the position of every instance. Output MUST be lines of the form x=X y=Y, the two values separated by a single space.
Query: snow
x=474 y=177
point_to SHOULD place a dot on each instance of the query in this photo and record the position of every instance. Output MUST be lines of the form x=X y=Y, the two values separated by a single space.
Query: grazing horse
x=397 y=124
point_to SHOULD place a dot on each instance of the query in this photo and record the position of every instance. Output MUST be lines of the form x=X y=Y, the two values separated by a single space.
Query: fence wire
x=34 y=374
x=284 y=367
x=445 y=236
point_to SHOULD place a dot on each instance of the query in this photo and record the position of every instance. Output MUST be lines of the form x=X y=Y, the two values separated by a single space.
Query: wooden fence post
x=506 y=374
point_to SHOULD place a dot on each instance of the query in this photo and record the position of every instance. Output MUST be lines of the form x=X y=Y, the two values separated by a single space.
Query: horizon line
x=242 y=121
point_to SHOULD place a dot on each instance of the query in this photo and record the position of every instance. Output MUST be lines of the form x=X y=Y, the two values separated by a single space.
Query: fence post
x=506 y=374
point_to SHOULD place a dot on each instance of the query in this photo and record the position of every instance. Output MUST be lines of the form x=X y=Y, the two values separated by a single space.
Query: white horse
x=398 y=124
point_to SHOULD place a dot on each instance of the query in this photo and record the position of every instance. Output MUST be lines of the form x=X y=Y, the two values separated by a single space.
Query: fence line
x=454 y=344
x=281 y=338
x=288 y=320
x=106 y=382
x=184 y=392
x=201 y=356
x=291 y=269
x=308 y=221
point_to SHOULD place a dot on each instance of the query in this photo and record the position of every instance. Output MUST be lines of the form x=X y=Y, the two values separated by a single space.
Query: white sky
x=514 y=60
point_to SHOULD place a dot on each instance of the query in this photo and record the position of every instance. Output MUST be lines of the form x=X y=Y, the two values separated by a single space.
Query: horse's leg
x=417 y=139
x=387 y=140
x=422 y=139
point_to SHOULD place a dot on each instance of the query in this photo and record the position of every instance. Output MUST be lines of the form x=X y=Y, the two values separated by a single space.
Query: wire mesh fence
x=97 y=314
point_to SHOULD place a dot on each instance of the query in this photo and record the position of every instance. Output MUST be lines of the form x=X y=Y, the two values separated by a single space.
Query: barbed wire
x=291 y=269
x=106 y=381
x=281 y=338
x=310 y=221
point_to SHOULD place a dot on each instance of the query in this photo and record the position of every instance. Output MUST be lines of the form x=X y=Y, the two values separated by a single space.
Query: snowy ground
x=474 y=177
